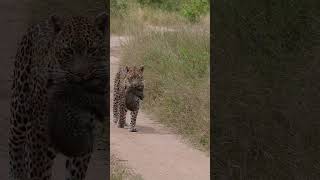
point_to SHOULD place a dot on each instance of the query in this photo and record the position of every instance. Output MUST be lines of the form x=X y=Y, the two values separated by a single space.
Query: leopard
x=58 y=95
x=128 y=95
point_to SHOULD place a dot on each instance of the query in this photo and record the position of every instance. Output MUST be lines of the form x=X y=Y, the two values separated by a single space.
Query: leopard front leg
x=134 y=115
x=77 y=167
x=40 y=157
x=19 y=128
x=17 y=163
x=123 y=114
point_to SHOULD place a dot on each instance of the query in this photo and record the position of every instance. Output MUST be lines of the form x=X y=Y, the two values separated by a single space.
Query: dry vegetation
x=136 y=17
x=119 y=171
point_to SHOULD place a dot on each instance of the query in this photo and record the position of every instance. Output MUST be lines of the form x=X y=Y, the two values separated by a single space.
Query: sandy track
x=153 y=152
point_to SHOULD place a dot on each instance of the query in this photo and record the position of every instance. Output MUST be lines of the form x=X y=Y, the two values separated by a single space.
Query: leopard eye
x=91 y=50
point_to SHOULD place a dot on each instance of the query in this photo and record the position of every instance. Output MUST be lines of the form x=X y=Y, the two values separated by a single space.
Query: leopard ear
x=101 y=22
x=57 y=23
x=127 y=68
x=141 y=68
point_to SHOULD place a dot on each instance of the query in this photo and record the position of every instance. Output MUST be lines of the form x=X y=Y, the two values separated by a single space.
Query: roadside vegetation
x=119 y=171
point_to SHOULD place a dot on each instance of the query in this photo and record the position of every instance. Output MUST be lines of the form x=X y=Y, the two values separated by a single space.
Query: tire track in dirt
x=153 y=152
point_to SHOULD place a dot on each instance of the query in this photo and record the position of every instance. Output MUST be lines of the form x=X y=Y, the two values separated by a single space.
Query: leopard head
x=134 y=86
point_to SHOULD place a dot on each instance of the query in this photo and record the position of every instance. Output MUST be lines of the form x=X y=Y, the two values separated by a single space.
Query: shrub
x=193 y=9
x=168 y=5
x=118 y=7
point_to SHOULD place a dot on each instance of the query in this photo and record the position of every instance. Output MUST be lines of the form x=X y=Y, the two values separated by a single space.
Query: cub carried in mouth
x=128 y=94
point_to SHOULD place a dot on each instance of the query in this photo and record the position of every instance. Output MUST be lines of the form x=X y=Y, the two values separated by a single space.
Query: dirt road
x=153 y=152
x=13 y=20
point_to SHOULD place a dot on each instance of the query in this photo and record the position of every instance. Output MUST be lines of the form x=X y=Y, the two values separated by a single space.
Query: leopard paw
x=132 y=130
x=120 y=125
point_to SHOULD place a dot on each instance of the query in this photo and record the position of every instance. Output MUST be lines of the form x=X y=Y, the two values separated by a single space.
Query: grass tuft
x=120 y=172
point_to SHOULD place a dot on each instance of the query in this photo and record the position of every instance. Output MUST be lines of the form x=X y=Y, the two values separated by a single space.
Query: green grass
x=177 y=78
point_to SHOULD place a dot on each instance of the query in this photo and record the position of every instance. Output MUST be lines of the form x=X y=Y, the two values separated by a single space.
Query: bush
x=168 y=5
x=118 y=7
x=193 y=9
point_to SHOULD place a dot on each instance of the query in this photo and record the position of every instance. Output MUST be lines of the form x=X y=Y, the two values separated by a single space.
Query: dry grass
x=120 y=172
x=125 y=21
x=158 y=17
